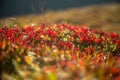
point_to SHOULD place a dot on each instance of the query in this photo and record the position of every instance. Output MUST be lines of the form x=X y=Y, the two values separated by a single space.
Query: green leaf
x=51 y=76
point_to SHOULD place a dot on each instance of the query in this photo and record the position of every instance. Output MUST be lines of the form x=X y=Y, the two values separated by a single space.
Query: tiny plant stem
x=41 y=8
x=42 y=4
x=33 y=8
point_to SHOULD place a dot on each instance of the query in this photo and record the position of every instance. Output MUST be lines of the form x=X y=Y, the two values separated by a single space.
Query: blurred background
x=100 y=14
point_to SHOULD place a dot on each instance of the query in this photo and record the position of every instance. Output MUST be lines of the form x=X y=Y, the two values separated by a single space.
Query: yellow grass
x=105 y=17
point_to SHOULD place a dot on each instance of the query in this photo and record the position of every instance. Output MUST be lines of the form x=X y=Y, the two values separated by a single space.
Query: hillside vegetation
x=105 y=17
x=59 y=52
x=62 y=45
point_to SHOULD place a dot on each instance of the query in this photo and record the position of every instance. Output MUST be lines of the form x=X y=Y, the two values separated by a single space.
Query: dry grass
x=105 y=17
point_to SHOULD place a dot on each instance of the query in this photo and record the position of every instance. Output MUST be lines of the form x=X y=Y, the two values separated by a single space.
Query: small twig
x=42 y=4
x=33 y=8
x=41 y=8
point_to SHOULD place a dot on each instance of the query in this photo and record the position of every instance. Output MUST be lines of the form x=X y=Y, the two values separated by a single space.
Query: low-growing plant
x=58 y=52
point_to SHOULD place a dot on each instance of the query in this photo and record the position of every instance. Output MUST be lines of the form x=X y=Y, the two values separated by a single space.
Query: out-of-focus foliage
x=105 y=17
x=58 y=52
